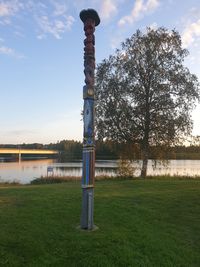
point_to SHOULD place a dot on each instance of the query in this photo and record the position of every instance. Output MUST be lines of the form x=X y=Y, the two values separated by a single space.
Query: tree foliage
x=144 y=93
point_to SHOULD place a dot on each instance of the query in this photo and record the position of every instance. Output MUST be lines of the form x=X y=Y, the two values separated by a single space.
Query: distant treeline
x=72 y=150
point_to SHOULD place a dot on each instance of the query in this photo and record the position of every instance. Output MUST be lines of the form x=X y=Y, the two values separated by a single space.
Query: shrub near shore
x=63 y=179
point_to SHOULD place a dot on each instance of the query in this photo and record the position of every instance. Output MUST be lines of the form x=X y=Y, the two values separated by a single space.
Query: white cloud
x=139 y=10
x=116 y=40
x=6 y=50
x=153 y=26
x=50 y=16
x=4 y=10
x=52 y=19
x=191 y=32
x=55 y=27
x=108 y=9
x=41 y=36
x=10 y=7
x=60 y=9
x=10 y=52
x=151 y=5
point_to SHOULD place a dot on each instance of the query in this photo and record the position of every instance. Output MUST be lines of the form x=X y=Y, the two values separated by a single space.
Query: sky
x=41 y=58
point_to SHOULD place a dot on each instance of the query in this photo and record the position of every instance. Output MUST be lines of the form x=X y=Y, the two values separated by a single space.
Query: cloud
x=60 y=9
x=4 y=10
x=191 y=32
x=6 y=50
x=8 y=9
x=10 y=52
x=116 y=40
x=108 y=9
x=139 y=10
x=153 y=26
x=51 y=19
x=50 y=16
x=55 y=27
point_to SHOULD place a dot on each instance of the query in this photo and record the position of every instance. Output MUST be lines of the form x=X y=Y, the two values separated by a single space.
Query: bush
x=125 y=168
x=53 y=180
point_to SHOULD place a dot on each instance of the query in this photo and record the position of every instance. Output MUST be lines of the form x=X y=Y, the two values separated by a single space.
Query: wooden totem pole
x=90 y=19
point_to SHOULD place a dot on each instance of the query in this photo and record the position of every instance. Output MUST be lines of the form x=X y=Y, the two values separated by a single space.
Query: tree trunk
x=145 y=142
x=145 y=152
x=144 y=165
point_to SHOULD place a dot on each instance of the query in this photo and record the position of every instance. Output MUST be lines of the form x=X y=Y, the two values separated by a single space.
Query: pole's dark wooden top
x=90 y=14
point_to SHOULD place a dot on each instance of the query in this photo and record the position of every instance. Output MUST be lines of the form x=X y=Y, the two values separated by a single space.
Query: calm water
x=26 y=171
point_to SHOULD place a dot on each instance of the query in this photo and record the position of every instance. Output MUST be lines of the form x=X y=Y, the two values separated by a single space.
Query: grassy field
x=141 y=223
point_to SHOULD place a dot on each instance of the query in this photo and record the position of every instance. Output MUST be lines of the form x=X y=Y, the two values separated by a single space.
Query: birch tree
x=144 y=92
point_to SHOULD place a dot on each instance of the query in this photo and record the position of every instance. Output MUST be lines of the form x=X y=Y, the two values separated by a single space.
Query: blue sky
x=41 y=58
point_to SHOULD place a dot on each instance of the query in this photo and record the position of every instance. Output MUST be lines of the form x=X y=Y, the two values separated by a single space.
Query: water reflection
x=25 y=171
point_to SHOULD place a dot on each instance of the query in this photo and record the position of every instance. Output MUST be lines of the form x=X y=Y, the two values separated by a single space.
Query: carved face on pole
x=89 y=27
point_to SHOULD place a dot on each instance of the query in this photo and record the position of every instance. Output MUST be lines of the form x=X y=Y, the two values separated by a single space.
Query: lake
x=25 y=171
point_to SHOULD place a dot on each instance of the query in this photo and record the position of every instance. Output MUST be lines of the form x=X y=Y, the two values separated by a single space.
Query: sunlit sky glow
x=41 y=58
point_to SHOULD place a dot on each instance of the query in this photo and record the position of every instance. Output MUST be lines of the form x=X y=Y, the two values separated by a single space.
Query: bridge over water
x=20 y=151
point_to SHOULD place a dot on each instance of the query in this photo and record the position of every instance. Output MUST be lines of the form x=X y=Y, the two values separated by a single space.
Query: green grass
x=141 y=223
